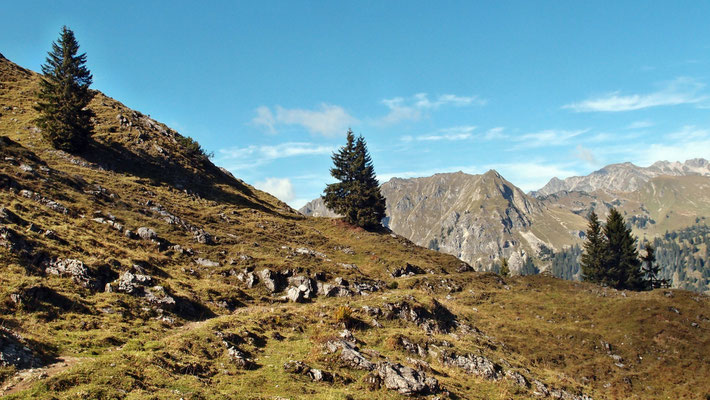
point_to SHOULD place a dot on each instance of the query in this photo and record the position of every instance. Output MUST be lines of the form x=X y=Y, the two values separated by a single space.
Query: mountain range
x=624 y=177
x=479 y=218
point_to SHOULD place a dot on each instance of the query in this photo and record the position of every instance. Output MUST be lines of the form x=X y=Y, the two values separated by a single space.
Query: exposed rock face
x=147 y=233
x=71 y=268
x=133 y=283
x=625 y=177
x=350 y=354
x=406 y=380
x=474 y=364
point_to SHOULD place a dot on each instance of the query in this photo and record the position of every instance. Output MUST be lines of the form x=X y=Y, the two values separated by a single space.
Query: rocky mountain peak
x=624 y=177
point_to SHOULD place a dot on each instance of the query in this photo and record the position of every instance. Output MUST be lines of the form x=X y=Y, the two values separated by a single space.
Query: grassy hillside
x=94 y=307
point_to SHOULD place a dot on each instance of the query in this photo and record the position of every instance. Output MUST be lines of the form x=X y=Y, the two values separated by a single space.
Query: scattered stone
x=206 y=263
x=349 y=354
x=406 y=380
x=157 y=295
x=239 y=358
x=147 y=233
x=133 y=283
x=204 y=238
x=272 y=280
x=72 y=268
x=300 y=368
x=474 y=364
x=407 y=270
x=517 y=378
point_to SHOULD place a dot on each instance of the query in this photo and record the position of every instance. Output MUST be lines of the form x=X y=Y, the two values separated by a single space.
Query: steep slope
x=624 y=177
x=476 y=218
x=140 y=270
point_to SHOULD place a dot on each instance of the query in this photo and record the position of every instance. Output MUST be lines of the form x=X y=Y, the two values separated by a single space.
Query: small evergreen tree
x=529 y=267
x=651 y=270
x=592 y=259
x=504 y=269
x=64 y=96
x=622 y=267
x=357 y=195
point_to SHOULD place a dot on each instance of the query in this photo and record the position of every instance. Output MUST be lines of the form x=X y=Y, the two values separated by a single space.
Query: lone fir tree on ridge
x=64 y=96
x=357 y=195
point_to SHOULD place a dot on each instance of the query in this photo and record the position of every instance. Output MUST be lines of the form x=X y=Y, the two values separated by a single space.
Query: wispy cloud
x=585 y=154
x=640 y=125
x=326 y=120
x=495 y=134
x=413 y=108
x=532 y=175
x=689 y=133
x=448 y=134
x=680 y=145
x=282 y=188
x=244 y=158
x=678 y=91
x=546 y=138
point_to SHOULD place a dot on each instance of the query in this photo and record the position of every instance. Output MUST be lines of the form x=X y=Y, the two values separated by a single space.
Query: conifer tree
x=594 y=251
x=504 y=269
x=357 y=195
x=64 y=96
x=622 y=267
x=651 y=269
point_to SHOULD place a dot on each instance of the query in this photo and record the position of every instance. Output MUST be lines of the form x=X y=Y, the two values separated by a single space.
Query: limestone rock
x=147 y=233
x=406 y=380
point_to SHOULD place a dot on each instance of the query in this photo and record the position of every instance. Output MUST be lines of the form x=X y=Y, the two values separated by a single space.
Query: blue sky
x=533 y=89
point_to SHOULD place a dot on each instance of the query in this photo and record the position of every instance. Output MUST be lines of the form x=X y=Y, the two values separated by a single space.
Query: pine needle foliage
x=594 y=251
x=357 y=194
x=610 y=254
x=64 y=96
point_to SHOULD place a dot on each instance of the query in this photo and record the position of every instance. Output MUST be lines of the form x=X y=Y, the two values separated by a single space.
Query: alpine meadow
x=371 y=200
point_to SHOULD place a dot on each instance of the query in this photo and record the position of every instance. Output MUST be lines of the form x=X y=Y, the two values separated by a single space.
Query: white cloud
x=414 y=107
x=244 y=158
x=495 y=134
x=326 y=120
x=265 y=118
x=449 y=134
x=678 y=91
x=640 y=125
x=689 y=133
x=549 y=137
x=673 y=152
x=281 y=188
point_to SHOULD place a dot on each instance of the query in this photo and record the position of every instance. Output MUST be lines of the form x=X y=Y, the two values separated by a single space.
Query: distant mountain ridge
x=624 y=177
x=477 y=218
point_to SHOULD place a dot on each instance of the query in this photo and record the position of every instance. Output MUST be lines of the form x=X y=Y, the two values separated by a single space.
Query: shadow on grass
x=202 y=179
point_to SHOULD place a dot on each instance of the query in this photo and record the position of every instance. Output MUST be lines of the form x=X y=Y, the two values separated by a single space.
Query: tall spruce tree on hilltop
x=64 y=96
x=592 y=261
x=357 y=195
x=622 y=264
